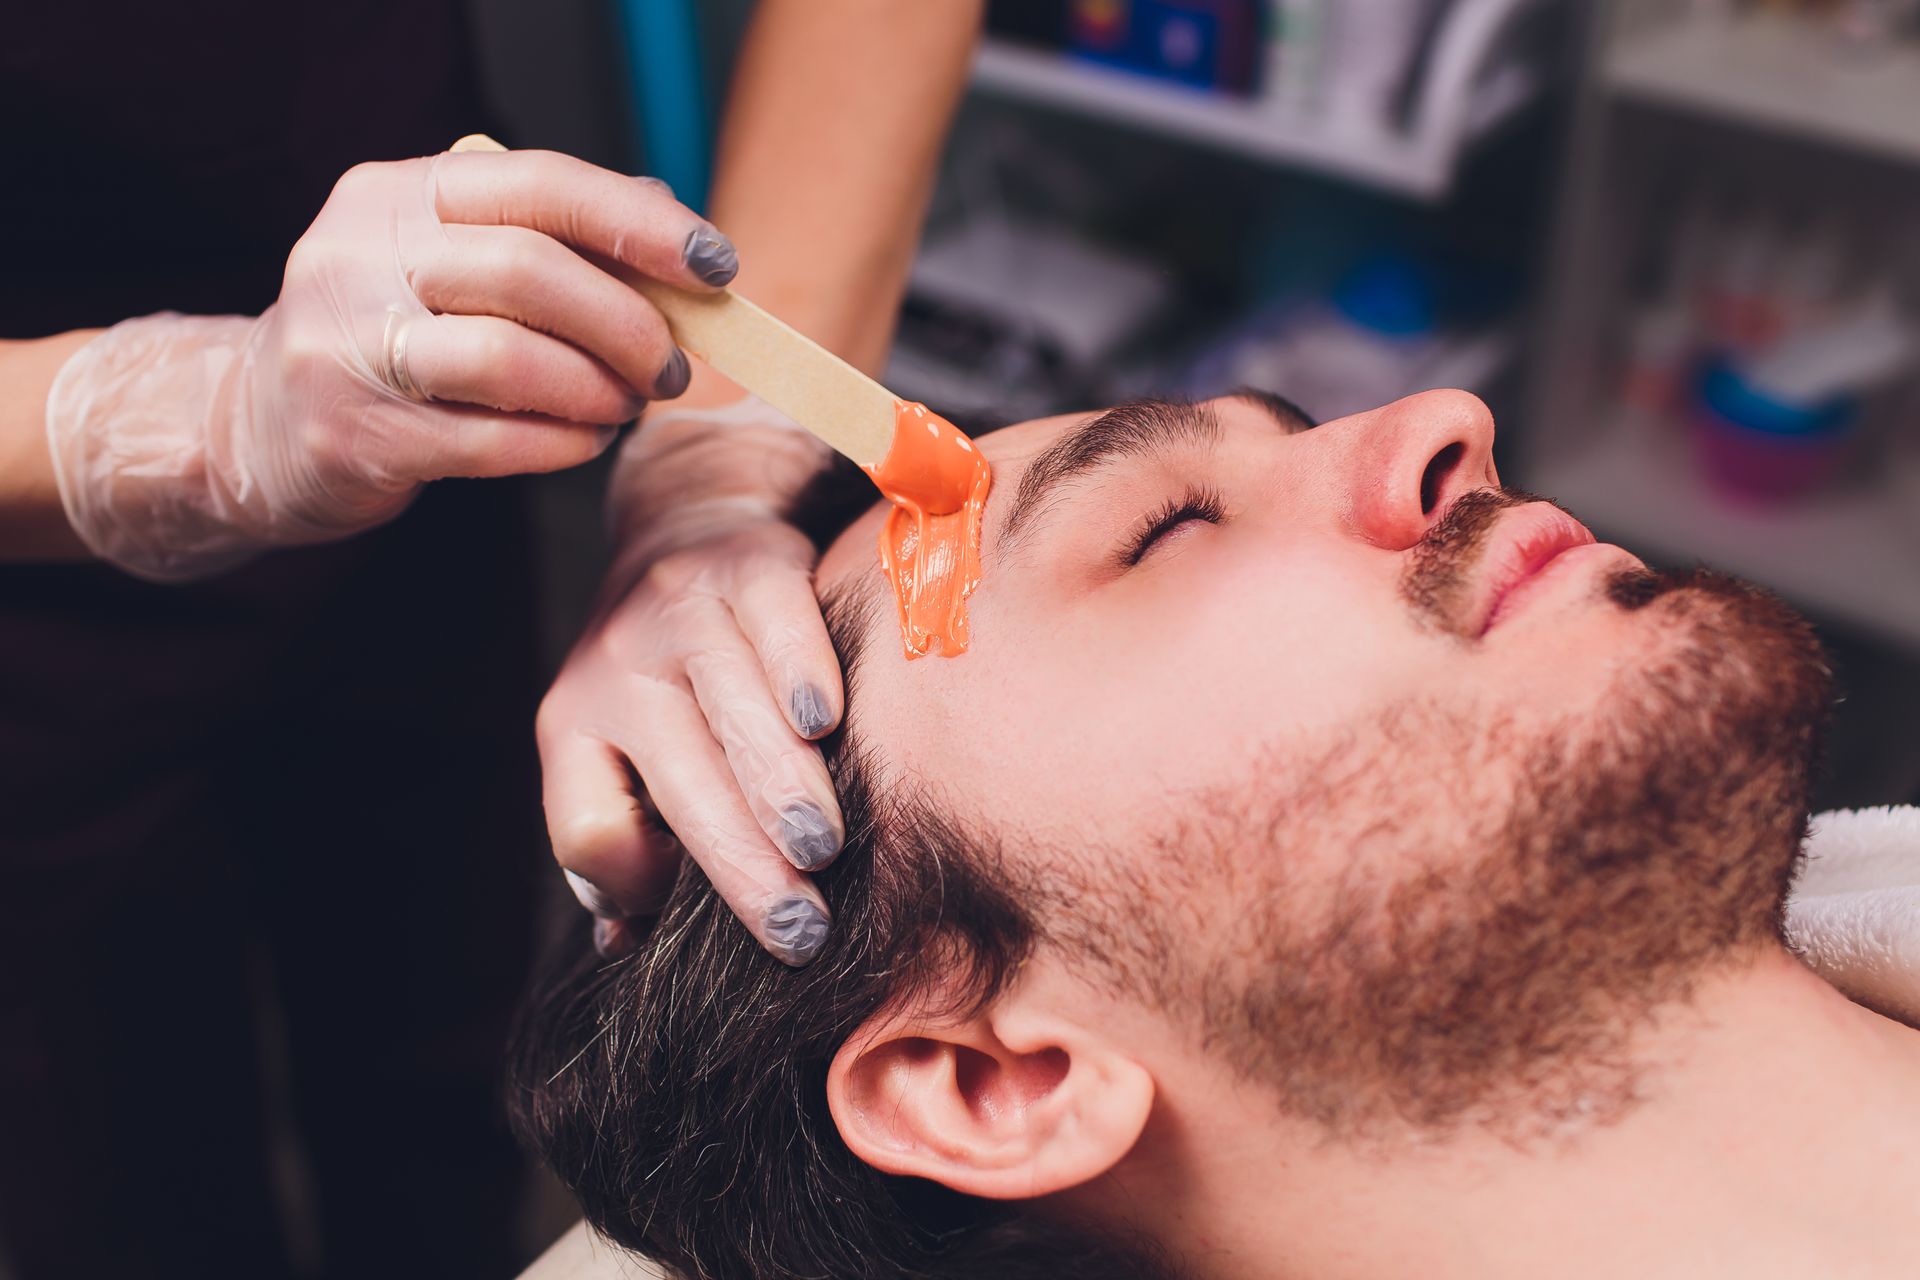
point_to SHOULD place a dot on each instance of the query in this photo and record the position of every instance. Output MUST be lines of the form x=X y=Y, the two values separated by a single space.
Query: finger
x=779 y=614
x=466 y=441
x=631 y=220
x=686 y=774
x=485 y=360
x=533 y=279
x=597 y=826
x=781 y=775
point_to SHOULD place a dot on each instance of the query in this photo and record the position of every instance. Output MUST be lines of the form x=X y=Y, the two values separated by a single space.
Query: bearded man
x=1325 y=863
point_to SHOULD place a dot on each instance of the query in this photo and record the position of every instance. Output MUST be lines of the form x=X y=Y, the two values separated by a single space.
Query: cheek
x=1089 y=721
x=1255 y=647
x=1573 y=668
x=1166 y=683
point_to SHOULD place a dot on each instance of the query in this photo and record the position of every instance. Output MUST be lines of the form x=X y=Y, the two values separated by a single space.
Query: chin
x=1738 y=678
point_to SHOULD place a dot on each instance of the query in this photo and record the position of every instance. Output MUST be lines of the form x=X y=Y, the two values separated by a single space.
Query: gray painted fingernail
x=810 y=714
x=674 y=376
x=711 y=256
x=796 y=930
x=811 y=839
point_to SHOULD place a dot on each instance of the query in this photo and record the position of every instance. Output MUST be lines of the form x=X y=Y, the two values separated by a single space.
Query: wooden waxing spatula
x=934 y=477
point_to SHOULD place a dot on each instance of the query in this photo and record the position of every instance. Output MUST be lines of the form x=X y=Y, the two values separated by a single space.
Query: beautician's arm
x=837 y=118
x=449 y=315
x=33 y=525
x=707 y=668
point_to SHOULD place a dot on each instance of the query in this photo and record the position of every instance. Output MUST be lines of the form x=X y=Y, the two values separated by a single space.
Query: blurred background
x=1674 y=243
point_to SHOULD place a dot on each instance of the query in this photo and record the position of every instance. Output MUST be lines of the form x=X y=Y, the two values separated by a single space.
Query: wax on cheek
x=937 y=482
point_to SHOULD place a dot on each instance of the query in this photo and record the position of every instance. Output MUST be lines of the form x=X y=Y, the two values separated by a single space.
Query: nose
x=1408 y=461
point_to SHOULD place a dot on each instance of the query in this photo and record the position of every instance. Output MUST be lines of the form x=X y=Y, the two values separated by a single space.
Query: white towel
x=1854 y=914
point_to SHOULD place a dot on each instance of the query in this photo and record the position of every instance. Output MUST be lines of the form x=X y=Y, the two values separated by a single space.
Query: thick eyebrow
x=1286 y=415
x=1130 y=430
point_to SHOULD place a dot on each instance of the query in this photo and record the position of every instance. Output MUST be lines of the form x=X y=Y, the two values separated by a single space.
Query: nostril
x=1438 y=468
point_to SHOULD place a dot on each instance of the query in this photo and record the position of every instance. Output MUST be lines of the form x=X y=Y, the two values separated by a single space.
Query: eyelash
x=1195 y=504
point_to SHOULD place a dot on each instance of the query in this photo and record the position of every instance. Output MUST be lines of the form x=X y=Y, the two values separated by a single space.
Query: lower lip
x=1531 y=587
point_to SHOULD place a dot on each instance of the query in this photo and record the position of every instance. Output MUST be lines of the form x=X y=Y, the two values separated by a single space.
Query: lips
x=1518 y=550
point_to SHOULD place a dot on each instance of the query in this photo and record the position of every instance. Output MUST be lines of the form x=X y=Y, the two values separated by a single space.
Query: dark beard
x=1632 y=862
x=1487 y=966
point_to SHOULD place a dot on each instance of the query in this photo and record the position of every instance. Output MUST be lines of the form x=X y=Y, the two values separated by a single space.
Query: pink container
x=1759 y=467
x=1759 y=449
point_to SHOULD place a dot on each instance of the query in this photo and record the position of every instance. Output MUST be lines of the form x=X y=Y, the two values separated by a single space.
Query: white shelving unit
x=1665 y=98
x=1637 y=481
x=1468 y=92
x=1759 y=72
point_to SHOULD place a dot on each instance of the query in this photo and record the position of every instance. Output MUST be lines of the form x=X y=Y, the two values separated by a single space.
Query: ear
x=1007 y=1104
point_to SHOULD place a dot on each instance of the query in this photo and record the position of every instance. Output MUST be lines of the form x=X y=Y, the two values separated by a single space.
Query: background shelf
x=1851 y=554
x=1762 y=73
x=1419 y=162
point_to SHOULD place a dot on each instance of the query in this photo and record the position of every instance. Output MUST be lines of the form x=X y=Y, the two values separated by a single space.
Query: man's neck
x=1774 y=1135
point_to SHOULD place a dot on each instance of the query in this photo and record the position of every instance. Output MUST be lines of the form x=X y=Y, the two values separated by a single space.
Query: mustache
x=1436 y=584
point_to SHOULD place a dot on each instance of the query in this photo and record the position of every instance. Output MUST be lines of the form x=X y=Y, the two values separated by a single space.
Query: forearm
x=827 y=155
x=33 y=523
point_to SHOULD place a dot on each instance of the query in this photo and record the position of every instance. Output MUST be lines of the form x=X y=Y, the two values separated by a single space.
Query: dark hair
x=680 y=1092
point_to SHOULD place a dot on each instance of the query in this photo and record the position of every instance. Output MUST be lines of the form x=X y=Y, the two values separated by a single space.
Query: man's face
x=1106 y=678
x=1331 y=731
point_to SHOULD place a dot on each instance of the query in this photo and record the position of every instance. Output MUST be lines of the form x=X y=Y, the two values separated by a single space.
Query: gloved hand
x=442 y=317
x=706 y=670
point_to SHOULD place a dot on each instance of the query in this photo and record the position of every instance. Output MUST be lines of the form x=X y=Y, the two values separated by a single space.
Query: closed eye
x=1196 y=504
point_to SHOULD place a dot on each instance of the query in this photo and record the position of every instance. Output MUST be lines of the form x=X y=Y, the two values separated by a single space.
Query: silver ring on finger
x=392 y=366
x=592 y=897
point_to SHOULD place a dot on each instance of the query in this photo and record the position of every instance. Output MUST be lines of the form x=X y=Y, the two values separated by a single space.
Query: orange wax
x=930 y=545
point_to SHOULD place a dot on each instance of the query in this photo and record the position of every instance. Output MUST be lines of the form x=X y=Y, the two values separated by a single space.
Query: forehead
x=1010 y=450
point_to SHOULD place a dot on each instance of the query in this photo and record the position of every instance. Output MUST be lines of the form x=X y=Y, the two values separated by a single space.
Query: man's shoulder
x=582 y=1255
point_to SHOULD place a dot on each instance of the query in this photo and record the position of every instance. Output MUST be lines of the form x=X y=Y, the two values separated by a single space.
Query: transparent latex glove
x=446 y=316
x=705 y=673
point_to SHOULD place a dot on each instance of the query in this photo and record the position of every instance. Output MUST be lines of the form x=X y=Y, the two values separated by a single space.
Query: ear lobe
x=1005 y=1110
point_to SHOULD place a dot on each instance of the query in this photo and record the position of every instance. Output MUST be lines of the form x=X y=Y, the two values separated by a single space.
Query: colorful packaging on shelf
x=1205 y=44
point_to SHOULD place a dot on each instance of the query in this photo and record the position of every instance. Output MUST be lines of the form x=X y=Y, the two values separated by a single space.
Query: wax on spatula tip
x=933 y=475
